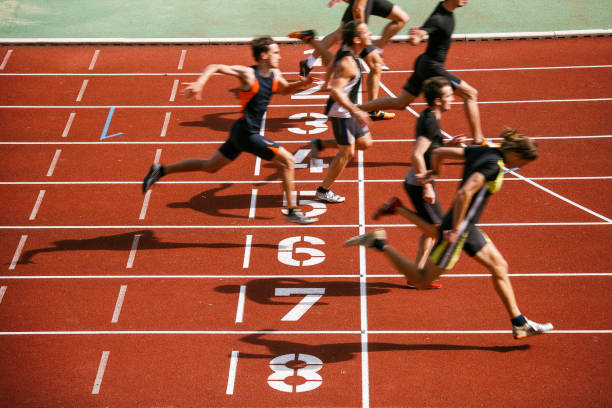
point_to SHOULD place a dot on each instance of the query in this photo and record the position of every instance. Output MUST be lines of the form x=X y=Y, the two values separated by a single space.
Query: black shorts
x=243 y=140
x=347 y=130
x=380 y=8
x=432 y=213
x=425 y=68
x=445 y=255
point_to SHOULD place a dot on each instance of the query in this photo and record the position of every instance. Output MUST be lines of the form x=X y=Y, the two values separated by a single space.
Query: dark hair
x=519 y=143
x=349 y=31
x=432 y=88
x=261 y=44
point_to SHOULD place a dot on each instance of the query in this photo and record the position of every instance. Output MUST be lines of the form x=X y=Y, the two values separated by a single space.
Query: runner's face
x=364 y=35
x=273 y=55
x=448 y=96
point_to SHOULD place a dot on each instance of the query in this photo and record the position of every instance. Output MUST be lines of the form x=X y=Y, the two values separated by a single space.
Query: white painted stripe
x=253 y=205
x=365 y=374
x=145 y=205
x=174 y=89
x=247 y=251
x=525 y=275
x=82 y=91
x=240 y=306
x=130 y=262
x=54 y=162
x=2 y=292
x=68 y=124
x=157 y=158
x=257 y=170
x=182 y=59
x=17 y=253
x=37 y=204
x=92 y=64
x=119 y=303
x=165 y=126
x=100 y=374
x=231 y=377
x=5 y=60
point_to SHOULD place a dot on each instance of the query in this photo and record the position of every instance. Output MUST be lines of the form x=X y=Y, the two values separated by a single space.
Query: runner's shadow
x=223 y=122
x=339 y=352
x=210 y=203
x=124 y=242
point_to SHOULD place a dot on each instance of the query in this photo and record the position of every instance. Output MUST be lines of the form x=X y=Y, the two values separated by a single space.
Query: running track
x=199 y=294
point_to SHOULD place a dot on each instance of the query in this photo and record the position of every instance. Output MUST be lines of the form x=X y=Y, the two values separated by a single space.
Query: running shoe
x=387 y=208
x=314 y=148
x=368 y=239
x=304 y=68
x=381 y=115
x=530 y=329
x=154 y=174
x=329 y=197
x=303 y=35
x=433 y=285
x=299 y=217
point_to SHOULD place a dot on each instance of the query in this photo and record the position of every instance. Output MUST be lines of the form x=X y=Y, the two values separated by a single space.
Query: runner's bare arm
x=346 y=69
x=285 y=87
x=246 y=76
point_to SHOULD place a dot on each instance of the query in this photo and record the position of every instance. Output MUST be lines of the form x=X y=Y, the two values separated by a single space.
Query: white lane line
x=5 y=60
x=145 y=205
x=165 y=126
x=82 y=91
x=92 y=64
x=253 y=203
x=54 y=162
x=37 y=204
x=157 y=158
x=247 y=251
x=257 y=170
x=240 y=306
x=68 y=124
x=2 y=292
x=17 y=253
x=100 y=374
x=231 y=377
x=182 y=60
x=174 y=89
x=130 y=262
x=119 y=303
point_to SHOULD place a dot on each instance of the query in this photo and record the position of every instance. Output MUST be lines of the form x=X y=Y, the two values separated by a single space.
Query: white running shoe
x=299 y=217
x=367 y=239
x=329 y=196
x=530 y=329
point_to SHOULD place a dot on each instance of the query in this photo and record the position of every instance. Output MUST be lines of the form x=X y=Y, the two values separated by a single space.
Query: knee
x=470 y=94
x=375 y=65
x=288 y=162
x=345 y=154
x=363 y=143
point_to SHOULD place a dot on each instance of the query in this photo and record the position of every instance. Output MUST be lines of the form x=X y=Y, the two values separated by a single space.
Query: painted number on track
x=287 y=247
x=319 y=124
x=311 y=296
x=281 y=372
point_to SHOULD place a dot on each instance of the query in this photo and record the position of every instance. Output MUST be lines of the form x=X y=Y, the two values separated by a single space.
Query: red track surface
x=182 y=259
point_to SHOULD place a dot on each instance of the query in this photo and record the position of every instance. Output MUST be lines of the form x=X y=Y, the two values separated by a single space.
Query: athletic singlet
x=255 y=101
x=333 y=108
x=440 y=26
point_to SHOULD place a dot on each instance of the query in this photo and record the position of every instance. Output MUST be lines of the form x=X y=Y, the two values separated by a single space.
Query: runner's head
x=438 y=92
x=518 y=149
x=356 y=32
x=264 y=48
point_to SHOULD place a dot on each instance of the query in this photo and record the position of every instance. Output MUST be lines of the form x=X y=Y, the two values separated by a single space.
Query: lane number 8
x=281 y=372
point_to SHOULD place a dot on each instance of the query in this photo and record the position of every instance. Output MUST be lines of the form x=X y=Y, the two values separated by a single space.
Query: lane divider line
x=100 y=374
x=34 y=212
x=5 y=60
x=94 y=59
x=240 y=306
x=82 y=91
x=145 y=205
x=182 y=60
x=130 y=262
x=247 y=251
x=174 y=89
x=257 y=170
x=231 y=378
x=54 y=162
x=68 y=124
x=165 y=126
x=109 y=117
x=2 y=292
x=253 y=203
x=119 y=303
x=157 y=158
x=17 y=253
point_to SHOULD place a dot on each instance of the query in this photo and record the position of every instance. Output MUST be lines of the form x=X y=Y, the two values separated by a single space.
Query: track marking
x=54 y=162
x=181 y=60
x=82 y=91
x=257 y=170
x=145 y=205
x=231 y=377
x=119 y=303
x=247 y=251
x=94 y=59
x=174 y=89
x=278 y=332
x=165 y=126
x=109 y=117
x=252 y=207
x=5 y=60
x=240 y=306
x=2 y=292
x=100 y=374
x=17 y=253
x=130 y=262
x=41 y=194
x=68 y=124
x=157 y=158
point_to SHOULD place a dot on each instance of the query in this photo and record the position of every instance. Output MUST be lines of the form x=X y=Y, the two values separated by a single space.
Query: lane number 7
x=311 y=296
